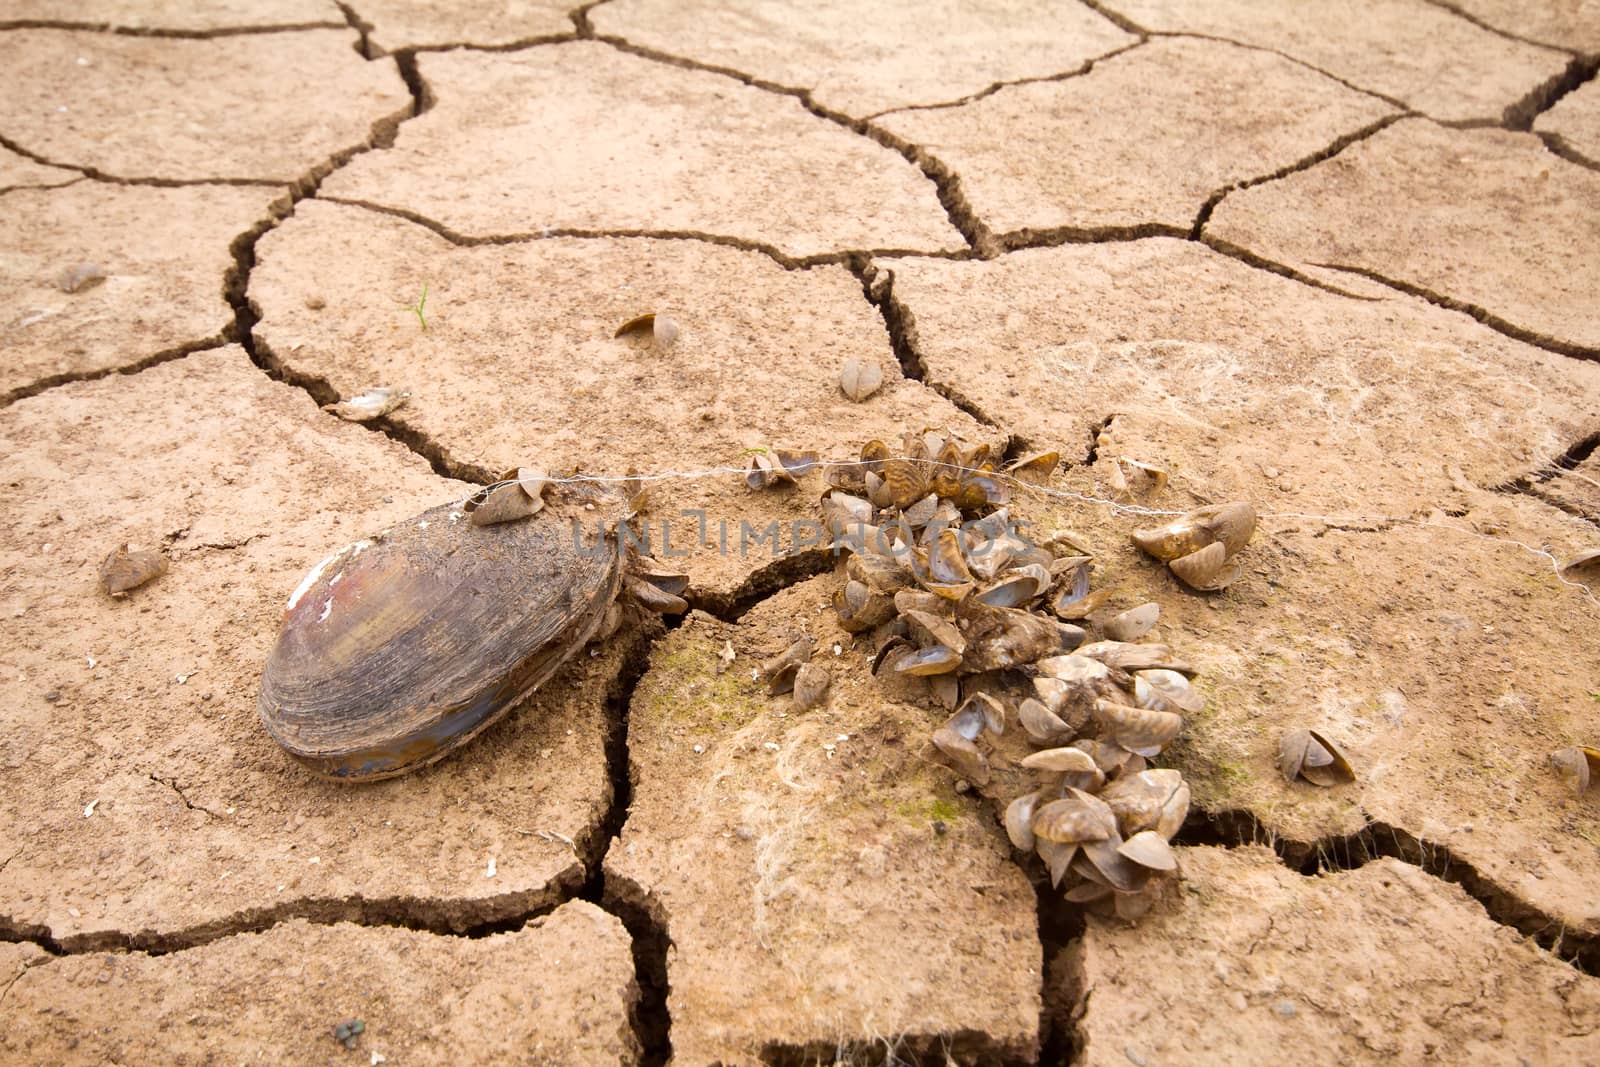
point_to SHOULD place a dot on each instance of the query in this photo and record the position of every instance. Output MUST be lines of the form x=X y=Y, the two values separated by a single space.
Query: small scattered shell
x=1139 y=730
x=935 y=659
x=663 y=330
x=1072 y=820
x=1201 y=569
x=1134 y=623
x=860 y=379
x=1578 y=767
x=123 y=570
x=993 y=712
x=504 y=501
x=1230 y=525
x=798 y=463
x=764 y=471
x=780 y=670
x=1068 y=760
x=374 y=403
x=1040 y=723
x=1149 y=849
x=1035 y=469
x=1166 y=691
x=1198 y=546
x=1309 y=755
x=1019 y=821
x=811 y=683
x=962 y=755
x=80 y=276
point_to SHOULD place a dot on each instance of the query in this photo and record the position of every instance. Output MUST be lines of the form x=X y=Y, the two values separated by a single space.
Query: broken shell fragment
x=860 y=379
x=1134 y=623
x=374 y=403
x=1578 y=767
x=123 y=570
x=396 y=651
x=811 y=683
x=1309 y=755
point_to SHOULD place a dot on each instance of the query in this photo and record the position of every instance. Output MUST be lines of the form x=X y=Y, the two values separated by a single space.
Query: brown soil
x=1340 y=265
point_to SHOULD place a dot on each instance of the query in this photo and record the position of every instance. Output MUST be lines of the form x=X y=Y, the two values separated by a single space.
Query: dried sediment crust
x=147 y=804
x=584 y=136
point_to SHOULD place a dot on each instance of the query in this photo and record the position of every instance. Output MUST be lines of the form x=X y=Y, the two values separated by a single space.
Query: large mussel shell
x=398 y=650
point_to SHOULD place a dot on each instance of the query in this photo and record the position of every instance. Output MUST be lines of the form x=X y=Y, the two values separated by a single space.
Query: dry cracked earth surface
x=1337 y=260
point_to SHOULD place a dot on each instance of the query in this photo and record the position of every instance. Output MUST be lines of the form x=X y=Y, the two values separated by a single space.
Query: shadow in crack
x=1376 y=840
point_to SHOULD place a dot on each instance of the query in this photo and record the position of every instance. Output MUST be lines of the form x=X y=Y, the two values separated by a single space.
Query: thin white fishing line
x=1121 y=507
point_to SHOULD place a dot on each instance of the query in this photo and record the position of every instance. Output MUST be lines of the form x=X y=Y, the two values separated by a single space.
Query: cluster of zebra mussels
x=965 y=611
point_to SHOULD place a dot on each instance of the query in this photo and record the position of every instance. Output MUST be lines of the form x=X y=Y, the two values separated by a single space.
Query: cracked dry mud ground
x=1339 y=261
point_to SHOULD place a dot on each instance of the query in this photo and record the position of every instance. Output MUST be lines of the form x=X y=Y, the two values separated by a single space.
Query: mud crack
x=166 y=355
x=641 y=915
x=172 y=784
x=1120 y=21
x=1338 y=145
x=1061 y=929
x=1520 y=115
x=947 y=184
x=877 y=284
x=120 y=179
x=1468 y=16
x=1482 y=314
x=1376 y=840
x=764 y=582
x=158 y=31
x=1077 y=72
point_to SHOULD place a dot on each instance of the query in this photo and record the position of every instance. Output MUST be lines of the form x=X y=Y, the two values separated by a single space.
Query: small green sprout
x=417 y=308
